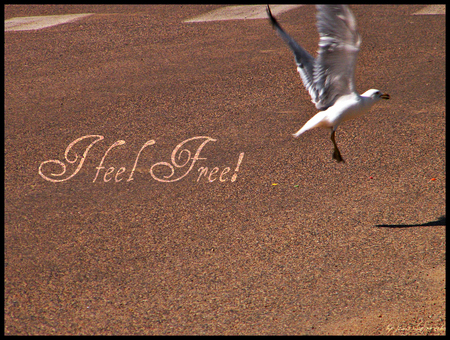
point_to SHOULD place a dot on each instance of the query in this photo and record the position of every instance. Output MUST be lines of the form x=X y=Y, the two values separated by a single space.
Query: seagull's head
x=375 y=94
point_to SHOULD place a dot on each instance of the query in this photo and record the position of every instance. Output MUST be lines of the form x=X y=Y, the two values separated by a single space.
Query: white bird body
x=345 y=108
x=329 y=78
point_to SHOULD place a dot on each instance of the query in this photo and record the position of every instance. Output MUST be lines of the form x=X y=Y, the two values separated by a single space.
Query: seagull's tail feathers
x=319 y=120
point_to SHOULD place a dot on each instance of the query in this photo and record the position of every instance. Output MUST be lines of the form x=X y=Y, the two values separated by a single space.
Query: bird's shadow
x=439 y=222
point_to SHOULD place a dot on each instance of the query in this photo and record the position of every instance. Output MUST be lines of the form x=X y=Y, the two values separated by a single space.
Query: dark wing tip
x=271 y=17
x=269 y=12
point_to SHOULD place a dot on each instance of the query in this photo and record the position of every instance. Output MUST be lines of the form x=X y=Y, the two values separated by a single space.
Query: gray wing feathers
x=338 y=48
x=305 y=62
x=331 y=75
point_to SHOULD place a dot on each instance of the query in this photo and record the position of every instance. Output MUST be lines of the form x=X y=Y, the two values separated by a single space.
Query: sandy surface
x=286 y=241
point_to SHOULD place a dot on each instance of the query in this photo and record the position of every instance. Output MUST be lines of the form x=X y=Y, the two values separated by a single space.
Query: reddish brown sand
x=354 y=248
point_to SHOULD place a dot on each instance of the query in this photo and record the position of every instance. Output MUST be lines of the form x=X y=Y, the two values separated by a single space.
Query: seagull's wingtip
x=271 y=17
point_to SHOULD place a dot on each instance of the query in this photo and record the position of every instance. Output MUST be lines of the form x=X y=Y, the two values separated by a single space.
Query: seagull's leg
x=336 y=154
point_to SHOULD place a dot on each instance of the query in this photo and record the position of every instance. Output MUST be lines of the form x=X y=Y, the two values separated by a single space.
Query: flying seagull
x=330 y=78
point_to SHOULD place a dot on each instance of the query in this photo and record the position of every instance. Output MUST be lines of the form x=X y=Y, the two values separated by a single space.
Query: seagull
x=330 y=78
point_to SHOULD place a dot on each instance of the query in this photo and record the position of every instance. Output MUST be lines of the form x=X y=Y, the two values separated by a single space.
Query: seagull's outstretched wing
x=305 y=62
x=331 y=75
x=334 y=70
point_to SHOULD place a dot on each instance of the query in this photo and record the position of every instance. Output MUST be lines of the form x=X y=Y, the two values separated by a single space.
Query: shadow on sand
x=439 y=222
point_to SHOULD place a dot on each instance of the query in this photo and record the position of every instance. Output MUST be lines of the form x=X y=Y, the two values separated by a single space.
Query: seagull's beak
x=385 y=96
